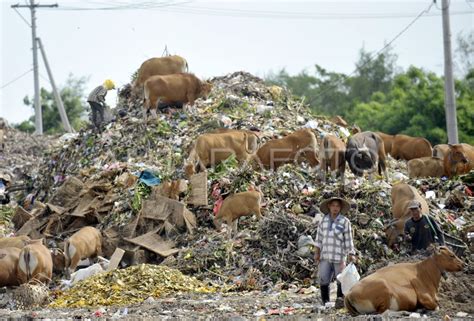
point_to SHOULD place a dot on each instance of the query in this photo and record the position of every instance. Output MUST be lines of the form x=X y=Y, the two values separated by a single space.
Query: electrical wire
x=23 y=18
x=184 y=10
x=377 y=53
x=17 y=78
x=148 y=5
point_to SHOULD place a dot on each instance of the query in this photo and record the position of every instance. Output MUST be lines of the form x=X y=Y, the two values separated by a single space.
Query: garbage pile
x=121 y=181
x=20 y=158
x=129 y=286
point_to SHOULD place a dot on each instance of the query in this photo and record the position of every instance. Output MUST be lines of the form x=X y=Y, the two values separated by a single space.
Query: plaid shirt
x=334 y=238
x=98 y=95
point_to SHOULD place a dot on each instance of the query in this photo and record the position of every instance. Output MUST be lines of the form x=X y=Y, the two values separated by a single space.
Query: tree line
x=380 y=96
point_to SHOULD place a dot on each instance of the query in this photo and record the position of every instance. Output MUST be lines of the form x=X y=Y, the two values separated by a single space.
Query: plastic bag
x=348 y=277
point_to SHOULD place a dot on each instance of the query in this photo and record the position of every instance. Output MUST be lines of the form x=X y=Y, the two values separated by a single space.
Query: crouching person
x=333 y=244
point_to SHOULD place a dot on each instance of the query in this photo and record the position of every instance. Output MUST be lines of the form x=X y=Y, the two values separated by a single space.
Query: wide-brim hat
x=345 y=206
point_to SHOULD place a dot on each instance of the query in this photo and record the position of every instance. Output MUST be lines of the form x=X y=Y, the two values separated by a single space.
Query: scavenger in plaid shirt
x=333 y=244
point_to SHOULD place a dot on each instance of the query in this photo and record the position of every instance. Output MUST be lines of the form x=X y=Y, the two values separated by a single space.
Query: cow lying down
x=403 y=286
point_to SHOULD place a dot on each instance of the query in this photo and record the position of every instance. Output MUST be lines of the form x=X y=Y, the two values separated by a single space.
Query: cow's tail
x=352 y=310
x=26 y=259
x=146 y=95
x=67 y=255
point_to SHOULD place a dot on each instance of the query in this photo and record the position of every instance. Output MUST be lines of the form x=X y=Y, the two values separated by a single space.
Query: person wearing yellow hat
x=333 y=244
x=96 y=100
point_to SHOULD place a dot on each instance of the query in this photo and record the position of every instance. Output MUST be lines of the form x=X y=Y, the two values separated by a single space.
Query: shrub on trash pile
x=128 y=286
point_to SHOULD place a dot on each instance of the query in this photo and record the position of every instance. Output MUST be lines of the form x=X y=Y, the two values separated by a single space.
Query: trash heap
x=129 y=286
x=98 y=180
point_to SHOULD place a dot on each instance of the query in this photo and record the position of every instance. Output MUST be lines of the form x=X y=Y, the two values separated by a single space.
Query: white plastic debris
x=263 y=108
x=459 y=222
x=82 y=274
x=344 y=131
x=430 y=194
x=305 y=244
x=311 y=124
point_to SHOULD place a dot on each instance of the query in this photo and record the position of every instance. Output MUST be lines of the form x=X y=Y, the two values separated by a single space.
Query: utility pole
x=57 y=96
x=38 y=115
x=449 y=101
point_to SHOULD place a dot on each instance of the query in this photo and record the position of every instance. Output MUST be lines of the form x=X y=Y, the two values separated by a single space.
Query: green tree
x=332 y=93
x=415 y=106
x=71 y=94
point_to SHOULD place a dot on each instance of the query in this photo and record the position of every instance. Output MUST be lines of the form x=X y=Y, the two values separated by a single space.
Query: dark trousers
x=97 y=114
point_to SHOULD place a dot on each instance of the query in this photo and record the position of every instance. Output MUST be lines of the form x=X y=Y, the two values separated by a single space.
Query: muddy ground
x=456 y=298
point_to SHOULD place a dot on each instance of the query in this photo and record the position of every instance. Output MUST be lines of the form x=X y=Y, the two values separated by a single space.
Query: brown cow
x=183 y=88
x=402 y=194
x=85 y=243
x=403 y=286
x=237 y=205
x=8 y=265
x=332 y=154
x=387 y=141
x=295 y=147
x=366 y=151
x=212 y=148
x=406 y=147
x=158 y=67
x=440 y=150
x=426 y=167
x=35 y=263
x=459 y=159
x=14 y=241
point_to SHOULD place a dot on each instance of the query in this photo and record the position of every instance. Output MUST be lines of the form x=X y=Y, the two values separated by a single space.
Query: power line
x=183 y=10
x=148 y=5
x=377 y=53
x=26 y=21
x=17 y=78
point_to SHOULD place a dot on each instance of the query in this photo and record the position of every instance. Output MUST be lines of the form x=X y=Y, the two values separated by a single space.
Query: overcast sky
x=216 y=38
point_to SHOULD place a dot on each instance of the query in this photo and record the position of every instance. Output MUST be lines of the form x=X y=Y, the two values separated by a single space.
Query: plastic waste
x=348 y=277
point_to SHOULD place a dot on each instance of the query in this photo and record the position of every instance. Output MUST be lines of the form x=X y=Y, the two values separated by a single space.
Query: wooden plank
x=198 y=195
x=162 y=208
x=153 y=242
x=115 y=259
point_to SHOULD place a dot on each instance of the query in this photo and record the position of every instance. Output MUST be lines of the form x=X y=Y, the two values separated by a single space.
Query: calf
x=406 y=147
x=237 y=205
x=185 y=88
x=365 y=150
x=213 y=148
x=14 y=241
x=440 y=150
x=296 y=147
x=387 y=141
x=459 y=159
x=8 y=266
x=332 y=155
x=158 y=66
x=402 y=195
x=426 y=167
x=35 y=263
x=403 y=286
x=85 y=243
